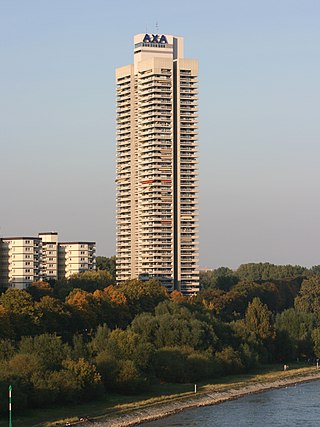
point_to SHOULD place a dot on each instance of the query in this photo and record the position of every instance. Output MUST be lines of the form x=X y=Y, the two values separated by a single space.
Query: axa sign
x=155 y=38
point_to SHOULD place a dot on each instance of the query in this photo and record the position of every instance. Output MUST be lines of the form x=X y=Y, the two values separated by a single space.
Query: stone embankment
x=211 y=396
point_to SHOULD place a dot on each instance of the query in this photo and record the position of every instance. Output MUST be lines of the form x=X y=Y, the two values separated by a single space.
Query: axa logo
x=155 y=38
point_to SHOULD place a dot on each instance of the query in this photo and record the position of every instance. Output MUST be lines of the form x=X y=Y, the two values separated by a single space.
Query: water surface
x=297 y=405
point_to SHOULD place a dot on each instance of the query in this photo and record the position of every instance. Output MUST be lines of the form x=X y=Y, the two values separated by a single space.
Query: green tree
x=48 y=348
x=109 y=264
x=266 y=271
x=55 y=315
x=298 y=326
x=129 y=379
x=308 y=299
x=91 y=280
x=24 y=365
x=222 y=278
x=127 y=345
x=258 y=320
x=230 y=360
x=87 y=376
x=7 y=349
x=143 y=296
x=19 y=306
x=99 y=341
x=316 y=342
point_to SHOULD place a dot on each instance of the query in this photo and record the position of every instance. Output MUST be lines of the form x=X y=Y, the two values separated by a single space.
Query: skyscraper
x=157 y=212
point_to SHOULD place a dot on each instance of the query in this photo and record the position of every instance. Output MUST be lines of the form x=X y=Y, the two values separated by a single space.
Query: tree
x=87 y=377
x=227 y=306
x=91 y=280
x=7 y=328
x=173 y=325
x=309 y=295
x=19 y=306
x=129 y=380
x=266 y=271
x=258 y=320
x=55 y=315
x=316 y=342
x=48 y=348
x=39 y=289
x=230 y=360
x=221 y=278
x=99 y=342
x=85 y=307
x=24 y=366
x=127 y=345
x=298 y=326
x=315 y=270
x=109 y=264
x=143 y=296
x=7 y=349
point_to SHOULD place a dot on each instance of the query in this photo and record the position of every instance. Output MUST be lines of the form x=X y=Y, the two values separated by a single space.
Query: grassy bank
x=112 y=405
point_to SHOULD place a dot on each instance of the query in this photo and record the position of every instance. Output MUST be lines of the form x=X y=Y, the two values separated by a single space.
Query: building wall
x=24 y=260
x=157 y=212
x=76 y=257
x=49 y=255
x=21 y=261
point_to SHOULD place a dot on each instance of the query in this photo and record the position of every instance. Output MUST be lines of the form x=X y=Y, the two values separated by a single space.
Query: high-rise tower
x=157 y=212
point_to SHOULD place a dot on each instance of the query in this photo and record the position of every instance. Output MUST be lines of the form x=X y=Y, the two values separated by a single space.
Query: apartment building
x=76 y=257
x=49 y=259
x=20 y=261
x=157 y=210
x=24 y=260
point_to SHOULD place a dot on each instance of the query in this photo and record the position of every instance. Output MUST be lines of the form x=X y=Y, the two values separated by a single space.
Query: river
x=292 y=406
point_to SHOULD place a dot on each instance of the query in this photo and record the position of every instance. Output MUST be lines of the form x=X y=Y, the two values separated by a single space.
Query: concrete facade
x=24 y=260
x=157 y=211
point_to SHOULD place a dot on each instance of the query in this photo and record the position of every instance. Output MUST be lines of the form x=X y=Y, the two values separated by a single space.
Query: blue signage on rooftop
x=155 y=38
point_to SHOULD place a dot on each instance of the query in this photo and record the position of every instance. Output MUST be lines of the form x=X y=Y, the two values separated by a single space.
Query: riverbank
x=207 y=395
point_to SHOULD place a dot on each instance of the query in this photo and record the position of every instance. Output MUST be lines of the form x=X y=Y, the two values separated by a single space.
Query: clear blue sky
x=259 y=120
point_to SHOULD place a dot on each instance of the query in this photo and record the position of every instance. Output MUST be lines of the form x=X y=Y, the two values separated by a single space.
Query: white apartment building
x=157 y=211
x=24 y=260
x=76 y=257
x=20 y=261
x=49 y=259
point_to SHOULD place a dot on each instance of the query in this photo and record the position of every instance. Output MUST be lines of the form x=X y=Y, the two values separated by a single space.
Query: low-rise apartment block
x=24 y=260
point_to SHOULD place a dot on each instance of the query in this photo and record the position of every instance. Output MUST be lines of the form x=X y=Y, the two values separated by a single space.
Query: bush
x=129 y=379
x=230 y=361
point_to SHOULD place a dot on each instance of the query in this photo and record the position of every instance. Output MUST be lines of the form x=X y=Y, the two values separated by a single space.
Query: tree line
x=73 y=340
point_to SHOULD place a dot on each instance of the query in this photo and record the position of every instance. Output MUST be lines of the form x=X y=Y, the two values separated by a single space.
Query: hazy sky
x=259 y=120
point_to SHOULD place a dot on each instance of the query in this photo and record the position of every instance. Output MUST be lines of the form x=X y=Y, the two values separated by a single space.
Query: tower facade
x=157 y=211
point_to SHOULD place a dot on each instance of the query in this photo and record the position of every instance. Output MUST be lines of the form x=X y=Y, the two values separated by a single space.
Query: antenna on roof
x=157 y=27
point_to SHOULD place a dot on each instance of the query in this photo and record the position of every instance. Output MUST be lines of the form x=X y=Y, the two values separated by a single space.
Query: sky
x=259 y=120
